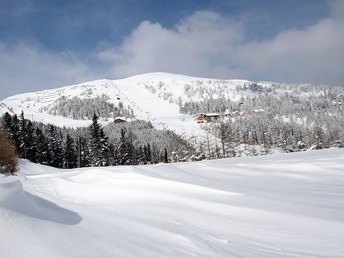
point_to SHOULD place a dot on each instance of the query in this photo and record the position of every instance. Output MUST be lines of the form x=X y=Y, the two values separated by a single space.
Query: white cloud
x=314 y=55
x=207 y=44
x=204 y=44
x=26 y=67
x=337 y=8
x=196 y=46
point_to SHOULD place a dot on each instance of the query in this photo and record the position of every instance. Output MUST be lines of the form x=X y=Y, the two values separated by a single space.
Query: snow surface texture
x=283 y=205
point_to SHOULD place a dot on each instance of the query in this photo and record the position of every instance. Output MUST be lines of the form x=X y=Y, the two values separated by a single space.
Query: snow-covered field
x=282 y=205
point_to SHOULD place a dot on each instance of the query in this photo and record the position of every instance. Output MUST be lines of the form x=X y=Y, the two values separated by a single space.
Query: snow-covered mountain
x=285 y=205
x=144 y=94
x=155 y=97
x=259 y=112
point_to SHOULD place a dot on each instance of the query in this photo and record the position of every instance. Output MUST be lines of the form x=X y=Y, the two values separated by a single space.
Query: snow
x=132 y=91
x=282 y=205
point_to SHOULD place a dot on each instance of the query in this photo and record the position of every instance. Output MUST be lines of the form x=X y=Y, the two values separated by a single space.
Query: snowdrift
x=14 y=198
x=283 y=205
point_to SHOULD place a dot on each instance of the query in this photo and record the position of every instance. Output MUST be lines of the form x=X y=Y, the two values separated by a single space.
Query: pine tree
x=94 y=143
x=99 y=144
x=165 y=156
x=84 y=153
x=104 y=149
x=145 y=154
x=132 y=154
x=69 y=154
x=149 y=154
x=15 y=132
x=11 y=124
x=7 y=121
x=55 y=148
x=42 y=152
x=140 y=155
x=31 y=149
x=122 y=154
x=23 y=137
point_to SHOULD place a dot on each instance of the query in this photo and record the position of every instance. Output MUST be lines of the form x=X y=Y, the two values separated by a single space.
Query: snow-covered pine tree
x=83 y=152
x=104 y=149
x=24 y=142
x=99 y=149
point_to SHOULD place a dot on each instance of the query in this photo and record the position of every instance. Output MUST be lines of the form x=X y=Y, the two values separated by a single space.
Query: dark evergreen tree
x=140 y=155
x=15 y=132
x=24 y=142
x=145 y=154
x=84 y=154
x=7 y=121
x=165 y=156
x=30 y=136
x=11 y=124
x=99 y=150
x=122 y=153
x=126 y=152
x=148 y=154
x=55 y=148
x=69 y=154
x=104 y=149
x=155 y=155
x=95 y=152
x=132 y=157
x=42 y=152
x=112 y=157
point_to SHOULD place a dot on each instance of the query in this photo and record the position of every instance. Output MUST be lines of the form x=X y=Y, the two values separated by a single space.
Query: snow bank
x=288 y=205
x=9 y=187
x=13 y=198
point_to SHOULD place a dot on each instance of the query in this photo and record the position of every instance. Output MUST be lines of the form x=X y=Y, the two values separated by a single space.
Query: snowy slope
x=289 y=205
x=153 y=97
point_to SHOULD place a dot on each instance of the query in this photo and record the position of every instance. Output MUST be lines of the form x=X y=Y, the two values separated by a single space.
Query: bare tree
x=8 y=155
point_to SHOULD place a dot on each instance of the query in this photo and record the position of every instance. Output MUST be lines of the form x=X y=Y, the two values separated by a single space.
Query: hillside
x=253 y=117
x=285 y=205
x=132 y=93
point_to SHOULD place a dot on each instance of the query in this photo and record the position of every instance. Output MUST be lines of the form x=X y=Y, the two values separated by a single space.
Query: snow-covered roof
x=212 y=114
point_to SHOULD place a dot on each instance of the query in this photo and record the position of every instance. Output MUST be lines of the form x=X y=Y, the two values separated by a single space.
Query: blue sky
x=52 y=43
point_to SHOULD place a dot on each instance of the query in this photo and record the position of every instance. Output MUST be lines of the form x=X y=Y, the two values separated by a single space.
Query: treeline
x=83 y=147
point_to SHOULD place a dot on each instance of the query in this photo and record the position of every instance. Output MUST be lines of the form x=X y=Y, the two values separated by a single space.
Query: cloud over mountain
x=205 y=43
x=209 y=44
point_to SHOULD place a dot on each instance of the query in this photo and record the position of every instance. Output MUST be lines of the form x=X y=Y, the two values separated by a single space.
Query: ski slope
x=282 y=205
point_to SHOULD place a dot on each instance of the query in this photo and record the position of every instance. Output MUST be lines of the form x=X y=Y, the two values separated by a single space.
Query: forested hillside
x=300 y=118
x=135 y=143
